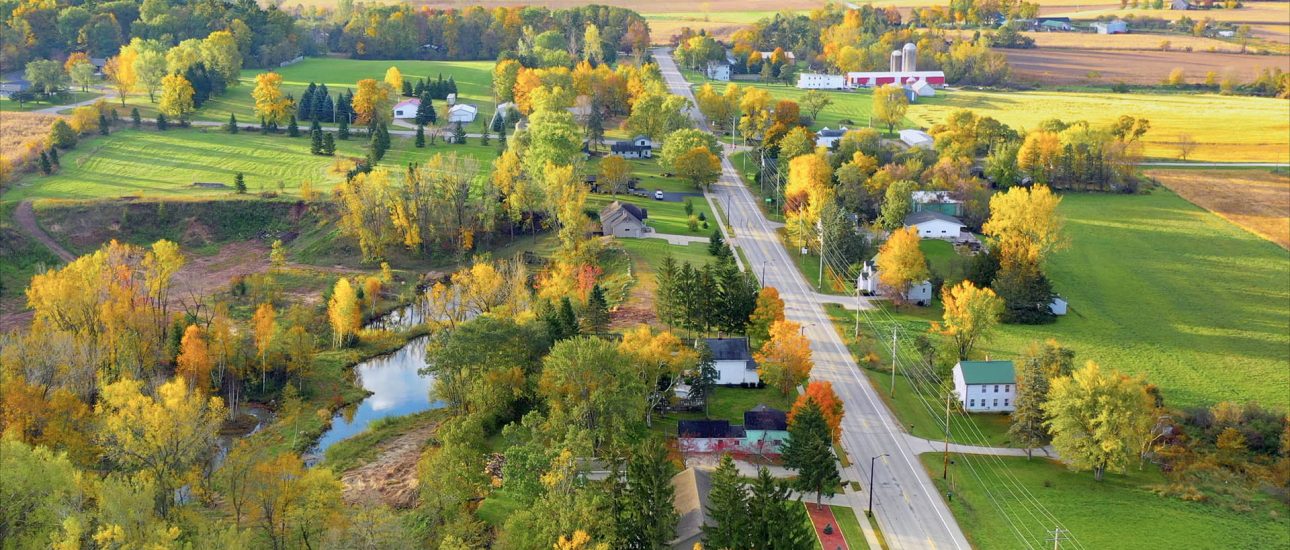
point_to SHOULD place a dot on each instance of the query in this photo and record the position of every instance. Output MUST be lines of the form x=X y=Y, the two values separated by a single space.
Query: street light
x=763 y=272
x=869 y=511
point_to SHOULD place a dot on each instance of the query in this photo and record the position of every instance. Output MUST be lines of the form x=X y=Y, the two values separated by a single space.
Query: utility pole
x=1057 y=538
x=869 y=511
x=819 y=285
x=857 y=334
x=892 y=393
x=945 y=469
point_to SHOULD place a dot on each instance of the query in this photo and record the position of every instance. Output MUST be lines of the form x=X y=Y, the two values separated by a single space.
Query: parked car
x=658 y=194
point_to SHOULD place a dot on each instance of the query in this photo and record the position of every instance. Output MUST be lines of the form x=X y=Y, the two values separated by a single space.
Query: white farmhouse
x=868 y=284
x=717 y=70
x=985 y=386
x=935 y=225
x=407 y=108
x=733 y=360
x=820 y=81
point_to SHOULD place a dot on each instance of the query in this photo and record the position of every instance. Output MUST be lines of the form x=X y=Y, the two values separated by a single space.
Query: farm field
x=1225 y=128
x=1107 y=514
x=1256 y=200
x=166 y=164
x=1161 y=287
x=473 y=78
x=1104 y=67
x=19 y=129
x=1132 y=41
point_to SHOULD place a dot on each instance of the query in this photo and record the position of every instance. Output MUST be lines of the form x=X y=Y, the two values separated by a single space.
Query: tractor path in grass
x=25 y=218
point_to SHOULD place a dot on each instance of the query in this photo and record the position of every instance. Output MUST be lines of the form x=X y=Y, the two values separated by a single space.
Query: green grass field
x=1225 y=128
x=1119 y=512
x=728 y=404
x=473 y=78
x=166 y=164
x=664 y=216
x=850 y=527
x=74 y=97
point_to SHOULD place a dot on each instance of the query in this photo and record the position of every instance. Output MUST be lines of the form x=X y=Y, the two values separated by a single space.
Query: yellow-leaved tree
x=270 y=104
x=889 y=106
x=971 y=314
x=264 y=326
x=1099 y=420
x=394 y=78
x=343 y=312
x=194 y=361
x=769 y=309
x=163 y=436
x=176 y=97
x=1026 y=225
x=374 y=101
x=810 y=187
x=901 y=263
x=656 y=357
x=784 y=361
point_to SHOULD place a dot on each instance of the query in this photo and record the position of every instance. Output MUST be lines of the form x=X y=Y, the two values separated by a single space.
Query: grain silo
x=909 y=57
x=895 y=61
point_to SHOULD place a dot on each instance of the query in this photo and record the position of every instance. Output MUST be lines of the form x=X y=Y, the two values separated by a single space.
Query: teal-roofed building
x=986 y=386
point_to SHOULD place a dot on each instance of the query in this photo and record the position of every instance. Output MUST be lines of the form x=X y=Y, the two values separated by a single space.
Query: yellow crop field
x=1256 y=200
x=1224 y=128
x=1252 y=12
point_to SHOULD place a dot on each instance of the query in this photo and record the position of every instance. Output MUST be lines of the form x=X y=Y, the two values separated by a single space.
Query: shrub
x=61 y=135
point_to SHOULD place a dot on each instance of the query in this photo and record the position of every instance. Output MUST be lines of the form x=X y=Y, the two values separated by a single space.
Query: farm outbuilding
x=917 y=138
x=407 y=108
x=1111 y=27
x=821 y=81
x=826 y=137
x=934 y=225
x=463 y=113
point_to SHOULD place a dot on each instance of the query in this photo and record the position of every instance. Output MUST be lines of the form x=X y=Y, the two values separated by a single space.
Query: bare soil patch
x=1072 y=66
x=391 y=479
x=1255 y=200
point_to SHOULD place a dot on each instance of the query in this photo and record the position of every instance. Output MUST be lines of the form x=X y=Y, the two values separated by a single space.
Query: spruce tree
x=647 y=518
x=809 y=451
x=420 y=88
x=45 y=167
x=323 y=107
x=595 y=127
x=717 y=244
x=315 y=142
x=329 y=145
x=459 y=134
x=407 y=89
x=776 y=521
x=53 y=157
x=342 y=127
x=568 y=321
x=239 y=183
x=420 y=140
x=315 y=126
x=483 y=138
x=728 y=508
x=135 y=119
x=596 y=318
x=162 y=123
x=293 y=129
x=103 y=124
x=232 y=123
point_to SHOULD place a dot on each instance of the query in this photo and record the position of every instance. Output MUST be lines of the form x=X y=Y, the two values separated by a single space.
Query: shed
x=827 y=138
x=765 y=429
x=463 y=113
x=917 y=138
x=934 y=225
x=1179 y=5
x=407 y=108
x=922 y=88
x=1116 y=26
x=733 y=360
x=1058 y=305
x=623 y=220
x=985 y=386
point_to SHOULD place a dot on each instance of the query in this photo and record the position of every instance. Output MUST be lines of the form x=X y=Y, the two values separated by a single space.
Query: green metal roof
x=987 y=372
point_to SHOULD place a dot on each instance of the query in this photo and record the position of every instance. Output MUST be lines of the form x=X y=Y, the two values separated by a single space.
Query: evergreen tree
x=809 y=451
x=596 y=318
x=501 y=138
x=420 y=88
x=323 y=107
x=728 y=508
x=459 y=134
x=239 y=183
x=305 y=107
x=452 y=86
x=775 y=521
x=342 y=127
x=1026 y=294
x=595 y=128
x=568 y=320
x=647 y=519
x=703 y=381
x=103 y=125
x=45 y=167
x=315 y=142
x=420 y=140
x=717 y=244
x=407 y=88
x=329 y=145
x=232 y=123
x=293 y=129
x=135 y=119
x=162 y=124
x=483 y=138
x=53 y=157
x=667 y=303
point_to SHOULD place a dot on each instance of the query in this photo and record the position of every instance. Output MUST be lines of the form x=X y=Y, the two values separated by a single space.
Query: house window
x=996 y=388
x=1005 y=402
x=996 y=402
x=971 y=402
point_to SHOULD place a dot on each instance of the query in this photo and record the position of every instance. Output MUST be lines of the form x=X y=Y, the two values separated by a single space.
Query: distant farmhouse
x=867 y=282
x=733 y=360
x=638 y=147
x=407 y=108
x=623 y=220
x=985 y=386
x=903 y=72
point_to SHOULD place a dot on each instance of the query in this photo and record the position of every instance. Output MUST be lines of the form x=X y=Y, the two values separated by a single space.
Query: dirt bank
x=391 y=478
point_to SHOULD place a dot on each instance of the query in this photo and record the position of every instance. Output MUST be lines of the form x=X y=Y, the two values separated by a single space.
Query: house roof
x=463 y=107
x=924 y=197
x=987 y=372
x=762 y=417
x=828 y=133
x=623 y=146
x=690 y=490
x=930 y=215
x=622 y=212
x=729 y=349
x=708 y=429
x=916 y=137
x=410 y=102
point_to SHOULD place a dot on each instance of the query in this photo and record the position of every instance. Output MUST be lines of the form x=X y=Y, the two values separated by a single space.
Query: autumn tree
x=176 y=97
x=1038 y=366
x=343 y=312
x=889 y=106
x=149 y=65
x=166 y=435
x=119 y=72
x=194 y=361
x=971 y=315
x=901 y=263
x=823 y=396
x=769 y=309
x=505 y=73
x=809 y=189
x=698 y=166
x=585 y=388
x=394 y=78
x=294 y=506
x=1098 y=419
x=41 y=490
x=270 y=104
x=1026 y=224
x=784 y=361
x=797 y=142
x=659 y=360
x=614 y=174
x=809 y=451
x=657 y=115
x=815 y=101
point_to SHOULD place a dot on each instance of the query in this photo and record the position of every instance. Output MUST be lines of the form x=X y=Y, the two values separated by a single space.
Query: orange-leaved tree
x=770 y=308
x=194 y=361
x=829 y=403
x=785 y=359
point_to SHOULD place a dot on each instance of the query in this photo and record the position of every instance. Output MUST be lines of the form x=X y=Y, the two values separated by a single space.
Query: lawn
x=850 y=527
x=473 y=78
x=650 y=173
x=1114 y=513
x=664 y=216
x=74 y=97
x=1163 y=288
x=166 y=164
x=940 y=255
x=1225 y=128
x=728 y=403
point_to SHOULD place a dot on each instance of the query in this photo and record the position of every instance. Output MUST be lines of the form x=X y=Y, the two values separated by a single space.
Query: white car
x=658 y=194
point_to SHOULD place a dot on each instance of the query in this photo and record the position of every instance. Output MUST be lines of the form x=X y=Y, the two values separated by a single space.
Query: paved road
x=909 y=510
x=1216 y=164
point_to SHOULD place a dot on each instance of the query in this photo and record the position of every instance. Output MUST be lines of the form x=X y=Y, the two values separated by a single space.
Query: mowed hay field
x=474 y=84
x=132 y=163
x=1256 y=200
x=1161 y=287
x=1226 y=128
x=1048 y=66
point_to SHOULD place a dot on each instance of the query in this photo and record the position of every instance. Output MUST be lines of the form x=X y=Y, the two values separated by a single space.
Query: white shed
x=407 y=108
x=917 y=138
x=934 y=225
x=463 y=113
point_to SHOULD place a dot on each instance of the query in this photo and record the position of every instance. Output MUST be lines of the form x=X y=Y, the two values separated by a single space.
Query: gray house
x=622 y=219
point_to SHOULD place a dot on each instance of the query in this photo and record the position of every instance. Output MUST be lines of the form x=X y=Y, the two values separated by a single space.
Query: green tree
x=717 y=244
x=104 y=126
x=293 y=128
x=329 y=144
x=239 y=183
x=1099 y=420
x=46 y=76
x=61 y=135
x=889 y=106
x=586 y=389
x=728 y=508
x=775 y=521
x=647 y=518
x=1036 y=369
x=815 y=101
x=682 y=141
x=420 y=140
x=898 y=203
x=797 y=142
x=657 y=115
x=482 y=367
x=162 y=122
x=40 y=491
x=595 y=319
x=809 y=451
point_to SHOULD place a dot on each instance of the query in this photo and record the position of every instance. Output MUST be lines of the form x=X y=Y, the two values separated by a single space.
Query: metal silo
x=909 y=56
x=895 y=61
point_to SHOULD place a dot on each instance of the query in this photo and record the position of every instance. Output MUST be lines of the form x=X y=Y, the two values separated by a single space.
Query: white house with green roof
x=985 y=386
